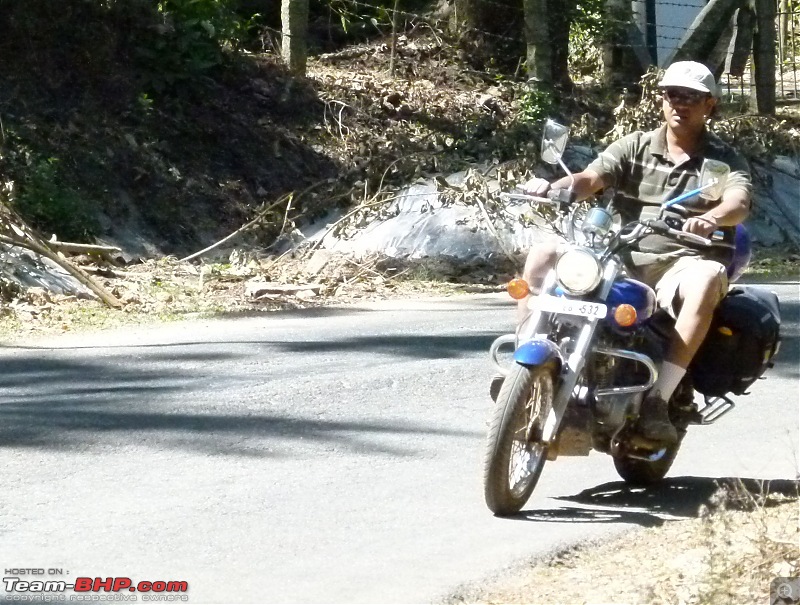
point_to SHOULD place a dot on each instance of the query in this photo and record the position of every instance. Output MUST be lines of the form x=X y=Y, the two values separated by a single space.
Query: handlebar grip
x=524 y=197
x=562 y=196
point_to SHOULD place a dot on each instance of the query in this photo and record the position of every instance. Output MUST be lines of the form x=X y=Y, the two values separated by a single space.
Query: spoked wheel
x=514 y=458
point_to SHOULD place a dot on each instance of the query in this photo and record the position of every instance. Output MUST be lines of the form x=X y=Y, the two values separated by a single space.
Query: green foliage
x=372 y=16
x=190 y=40
x=535 y=104
x=585 y=37
x=51 y=205
x=350 y=13
x=589 y=16
x=153 y=44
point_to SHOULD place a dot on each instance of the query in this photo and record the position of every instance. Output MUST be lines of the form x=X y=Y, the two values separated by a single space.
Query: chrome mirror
x=713 y=177
x=554 y=141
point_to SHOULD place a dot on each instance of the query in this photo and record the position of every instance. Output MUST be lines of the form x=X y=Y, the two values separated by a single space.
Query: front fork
x=572 y=369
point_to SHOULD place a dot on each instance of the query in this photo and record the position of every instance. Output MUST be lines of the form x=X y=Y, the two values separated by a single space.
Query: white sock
x=669 y=377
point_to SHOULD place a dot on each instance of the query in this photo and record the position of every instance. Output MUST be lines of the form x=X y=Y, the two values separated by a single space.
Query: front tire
x=514 y=460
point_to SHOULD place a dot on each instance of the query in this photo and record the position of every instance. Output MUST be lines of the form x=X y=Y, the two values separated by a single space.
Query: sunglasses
x=682 y=96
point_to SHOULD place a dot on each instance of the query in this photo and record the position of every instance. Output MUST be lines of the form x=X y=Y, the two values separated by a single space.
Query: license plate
x=559 y=304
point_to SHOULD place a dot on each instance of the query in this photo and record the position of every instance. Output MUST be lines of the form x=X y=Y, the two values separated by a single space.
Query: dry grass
x=741 y=540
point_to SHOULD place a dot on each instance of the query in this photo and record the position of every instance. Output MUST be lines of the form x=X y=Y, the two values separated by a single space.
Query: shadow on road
x=186 y=398
x=421 y=347
x=787 y=362
x=682 y=497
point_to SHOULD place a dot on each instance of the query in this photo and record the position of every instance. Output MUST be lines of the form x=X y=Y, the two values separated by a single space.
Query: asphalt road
x=328 y=456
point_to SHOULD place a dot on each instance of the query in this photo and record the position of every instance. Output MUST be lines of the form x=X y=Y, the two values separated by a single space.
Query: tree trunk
x=621 y=66
x=466 y=15
x=560 y=14
x=742 y=43
x=764 y=57
x=489 y=30
x=294 y=24
x=537 y=36
x=706 y=30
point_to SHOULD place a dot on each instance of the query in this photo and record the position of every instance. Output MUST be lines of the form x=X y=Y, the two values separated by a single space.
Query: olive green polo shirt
x=643 y=175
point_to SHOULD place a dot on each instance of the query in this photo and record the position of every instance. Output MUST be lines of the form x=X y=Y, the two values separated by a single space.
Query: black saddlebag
x=740 y=345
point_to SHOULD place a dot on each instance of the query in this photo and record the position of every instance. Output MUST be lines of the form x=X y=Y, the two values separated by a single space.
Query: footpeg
x=715 y=408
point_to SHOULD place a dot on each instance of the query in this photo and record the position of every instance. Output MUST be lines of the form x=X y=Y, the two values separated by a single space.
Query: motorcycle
x=590 y=346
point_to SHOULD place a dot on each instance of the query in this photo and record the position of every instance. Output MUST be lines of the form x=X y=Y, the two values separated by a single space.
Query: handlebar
x=524 y=197
x=562 y=197
x=662 y=228
x=554 y=197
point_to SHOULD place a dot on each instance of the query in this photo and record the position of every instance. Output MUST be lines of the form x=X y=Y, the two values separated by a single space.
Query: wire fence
x=787 y=60
x=788 y=34
x=671 y=33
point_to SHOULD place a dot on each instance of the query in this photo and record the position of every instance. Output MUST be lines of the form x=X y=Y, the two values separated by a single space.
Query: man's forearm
x=732 y=210
x=587 y=183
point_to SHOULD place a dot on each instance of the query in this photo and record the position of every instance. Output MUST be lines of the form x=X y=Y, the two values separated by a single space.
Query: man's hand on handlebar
x=700 y=225
x=543 y=189
x=536 y=186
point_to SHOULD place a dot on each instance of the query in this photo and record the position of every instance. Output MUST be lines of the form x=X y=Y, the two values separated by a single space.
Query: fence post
x=763 y=101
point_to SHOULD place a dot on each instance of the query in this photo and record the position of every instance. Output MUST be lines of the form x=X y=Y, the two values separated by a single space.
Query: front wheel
x=514 y=458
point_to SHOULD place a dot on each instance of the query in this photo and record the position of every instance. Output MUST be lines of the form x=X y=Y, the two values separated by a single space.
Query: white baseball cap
x=690 y=74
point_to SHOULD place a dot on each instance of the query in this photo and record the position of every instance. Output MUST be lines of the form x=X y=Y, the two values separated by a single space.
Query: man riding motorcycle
x=646 y=169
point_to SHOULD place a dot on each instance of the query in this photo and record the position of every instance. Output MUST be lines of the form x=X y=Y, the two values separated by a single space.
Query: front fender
x=537 y=353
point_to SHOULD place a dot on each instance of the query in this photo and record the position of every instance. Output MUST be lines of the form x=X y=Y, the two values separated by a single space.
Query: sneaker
x=654 y=424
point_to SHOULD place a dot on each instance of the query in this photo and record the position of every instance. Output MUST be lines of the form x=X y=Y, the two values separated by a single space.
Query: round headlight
x=578 y=271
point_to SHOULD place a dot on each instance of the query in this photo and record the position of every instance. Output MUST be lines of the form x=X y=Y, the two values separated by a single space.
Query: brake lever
x=660 y=226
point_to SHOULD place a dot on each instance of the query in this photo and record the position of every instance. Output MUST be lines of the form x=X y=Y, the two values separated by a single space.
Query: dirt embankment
x=739 y=548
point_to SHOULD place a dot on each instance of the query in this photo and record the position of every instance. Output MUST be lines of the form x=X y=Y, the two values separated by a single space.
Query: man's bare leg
x=698 y=297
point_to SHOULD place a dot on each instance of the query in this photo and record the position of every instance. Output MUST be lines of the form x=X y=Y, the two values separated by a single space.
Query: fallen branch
x=358 y=209
x=257 y=289
x=286 y=215
x=73 y=248
x=259 y=216
x=364 y=269
x=240 y=230
x=348 y=53
x=30 y=243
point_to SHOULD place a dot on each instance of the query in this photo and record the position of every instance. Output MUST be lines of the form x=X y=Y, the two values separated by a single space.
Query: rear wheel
x=514 y=457
x=638 y=472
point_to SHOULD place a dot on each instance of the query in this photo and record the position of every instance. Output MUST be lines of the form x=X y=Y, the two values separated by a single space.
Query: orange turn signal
x=725 y=331
x=625 y=315
x=518 y=289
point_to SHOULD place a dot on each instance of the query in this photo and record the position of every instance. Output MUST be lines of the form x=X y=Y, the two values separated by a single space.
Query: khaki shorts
x=685 y=269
